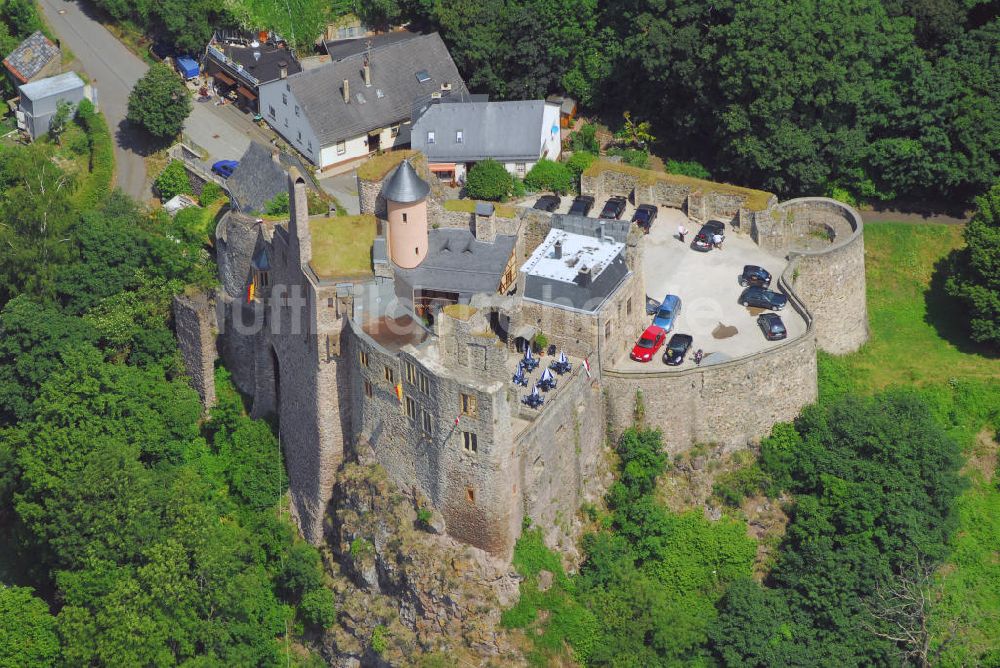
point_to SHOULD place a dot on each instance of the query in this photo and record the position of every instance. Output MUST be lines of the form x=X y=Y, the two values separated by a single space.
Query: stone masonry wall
x=728 y=404
x=194 y=320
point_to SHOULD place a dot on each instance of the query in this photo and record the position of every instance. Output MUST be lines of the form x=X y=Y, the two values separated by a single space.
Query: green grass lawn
x=342 y=246
x=918 y=339
x=917 y=334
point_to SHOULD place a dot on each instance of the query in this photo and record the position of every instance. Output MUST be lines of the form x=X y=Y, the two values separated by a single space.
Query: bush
x=632 y=156
x=317 y=608
x=489 y=180
x=541 y=341
x=688 y=168
x=975 y=278
x=278 y=205
x=549 y=175
x=97 y=186
x=519 y=190
x=578 y=162
x=173 y=180
x=210 y=193
x=584 y=139
x=380 y=639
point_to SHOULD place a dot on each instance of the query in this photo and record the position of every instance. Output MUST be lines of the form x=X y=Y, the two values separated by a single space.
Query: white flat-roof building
x=574 y=271
x=40 y=100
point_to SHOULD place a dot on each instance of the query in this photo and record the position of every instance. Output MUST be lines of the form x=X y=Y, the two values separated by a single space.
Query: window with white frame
x=394 y=131
x=341 y=147
x=459 y=136
x=520 y=168
x=430 y=136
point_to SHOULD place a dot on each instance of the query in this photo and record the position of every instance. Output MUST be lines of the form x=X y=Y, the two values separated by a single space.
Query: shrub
x=519 y=190
x=173 y=180
x=424 y=516
x=688 y=168
x=97 y=186
x=317 y=608
x=489 y=180
x=841 y=195
x=380 y=639
x=578 y=162
x=210 y=193
x=975 y=278
x=541 y=341
x=632 y=156
x=549 y=175
x=584 y=139
x=277 y=205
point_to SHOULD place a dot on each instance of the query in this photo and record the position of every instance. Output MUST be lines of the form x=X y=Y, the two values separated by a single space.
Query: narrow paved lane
x=113 y=70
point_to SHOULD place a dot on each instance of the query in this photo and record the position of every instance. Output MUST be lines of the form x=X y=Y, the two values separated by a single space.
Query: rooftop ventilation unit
x=446 y=86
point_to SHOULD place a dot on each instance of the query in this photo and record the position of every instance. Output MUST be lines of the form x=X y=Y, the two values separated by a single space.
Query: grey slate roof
x=579 y=294
x=592 y=227
x=257 y=178
x=405 y=185
x=345 y=48
x=390 y=98
x=33 y=54
x=505 y=131
x=456 y=262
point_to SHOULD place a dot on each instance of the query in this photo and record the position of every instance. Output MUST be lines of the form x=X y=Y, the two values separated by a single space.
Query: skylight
x=423 y=76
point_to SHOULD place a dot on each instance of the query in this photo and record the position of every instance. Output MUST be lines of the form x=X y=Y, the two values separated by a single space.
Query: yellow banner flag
x=251 y=291
x=399 y=392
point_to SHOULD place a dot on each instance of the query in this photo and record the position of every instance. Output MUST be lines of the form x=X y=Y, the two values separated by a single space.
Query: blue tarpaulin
x=188 y=67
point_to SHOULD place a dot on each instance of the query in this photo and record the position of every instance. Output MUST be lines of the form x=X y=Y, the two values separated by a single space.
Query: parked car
x=756 y=276
x=763 y=298
x=614 y=208
x=647 y=345
x=666 y=315
x=644 y=216
x=772 y=326
x=548 y=203
x=581 y=205
x=703 y=240
x=225 y=168
x=677 y=348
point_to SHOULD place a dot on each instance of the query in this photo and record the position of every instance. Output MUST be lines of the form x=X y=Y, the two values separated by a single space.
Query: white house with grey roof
x=456 y=135
x=363 y=101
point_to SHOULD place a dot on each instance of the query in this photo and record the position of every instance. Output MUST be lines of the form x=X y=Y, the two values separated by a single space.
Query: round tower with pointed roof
x=406 y=204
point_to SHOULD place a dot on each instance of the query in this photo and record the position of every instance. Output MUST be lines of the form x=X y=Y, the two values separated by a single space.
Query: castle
x=404 y=354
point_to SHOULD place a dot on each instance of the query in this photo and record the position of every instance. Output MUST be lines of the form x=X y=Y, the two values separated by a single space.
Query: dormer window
x=430 y=137
x=458 y=136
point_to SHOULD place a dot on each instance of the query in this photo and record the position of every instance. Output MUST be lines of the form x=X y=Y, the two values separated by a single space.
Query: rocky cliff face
x=404 y=590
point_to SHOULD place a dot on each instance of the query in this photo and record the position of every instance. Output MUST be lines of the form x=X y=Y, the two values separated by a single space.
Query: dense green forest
x=881 y=99
x=132 y=531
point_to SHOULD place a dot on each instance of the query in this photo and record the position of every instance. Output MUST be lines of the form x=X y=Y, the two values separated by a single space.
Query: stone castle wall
x=194 y=321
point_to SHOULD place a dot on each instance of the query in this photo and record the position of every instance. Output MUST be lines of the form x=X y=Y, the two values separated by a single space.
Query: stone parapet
x=194 y=320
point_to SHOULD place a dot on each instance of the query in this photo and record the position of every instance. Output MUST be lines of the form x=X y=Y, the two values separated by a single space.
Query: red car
x=647 y=345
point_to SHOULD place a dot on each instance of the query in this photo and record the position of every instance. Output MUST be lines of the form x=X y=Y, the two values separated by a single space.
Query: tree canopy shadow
x=133 y=138
x=947 y=314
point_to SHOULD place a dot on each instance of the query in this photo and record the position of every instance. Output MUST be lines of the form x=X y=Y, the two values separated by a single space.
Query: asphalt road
x=113 y=70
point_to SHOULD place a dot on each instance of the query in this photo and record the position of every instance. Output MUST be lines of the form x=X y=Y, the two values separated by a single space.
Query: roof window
x=458 y=136
x=430 y=136
x=423 y=76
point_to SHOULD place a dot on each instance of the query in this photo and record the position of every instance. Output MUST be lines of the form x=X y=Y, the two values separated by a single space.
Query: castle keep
x=403 y=353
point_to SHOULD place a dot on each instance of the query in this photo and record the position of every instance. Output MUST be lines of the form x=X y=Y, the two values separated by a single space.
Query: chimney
x=368 y=74
x=557 y=250
x=583 y=276
x=283 y=70
x=347 y=91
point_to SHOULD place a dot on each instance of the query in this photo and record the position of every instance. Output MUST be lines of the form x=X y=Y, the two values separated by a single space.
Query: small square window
x=520 y=167
x=425 y=422
x=607 y=330
x=363 y=358
x=368 y=389
x=470 y=442
x=286 y=122
x=394 y=131
x=404 y=217
x=423 y=383
x=270 y=111
x=458 y=136
x=284 y=99
x=389 y=374
x=469 y=405
x=411 y=373
x=329 y=302
x=628 y=306
x=300 y=136
x=341 y=147
x=430 y=136
x=411 y=409
x=296 y=110
x=470 y=495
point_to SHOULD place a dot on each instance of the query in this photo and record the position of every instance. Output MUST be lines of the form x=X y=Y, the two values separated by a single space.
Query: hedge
x=549 y=175
x=96 y=187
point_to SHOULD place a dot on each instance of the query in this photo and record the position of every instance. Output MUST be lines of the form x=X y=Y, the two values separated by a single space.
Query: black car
x=614 y=208
x=703 y=240
x=756 y=276
x=581 y=205
x=644 y=216
x=763 y=298
x=772 y=326
x=548 y=203
x=677 y=348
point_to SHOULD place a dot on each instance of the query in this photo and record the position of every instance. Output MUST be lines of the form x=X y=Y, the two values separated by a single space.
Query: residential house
x=567 y=109
x=242 y=65
x=40 y=100
x=35 y=58
x=361 y=103
x=454 y=136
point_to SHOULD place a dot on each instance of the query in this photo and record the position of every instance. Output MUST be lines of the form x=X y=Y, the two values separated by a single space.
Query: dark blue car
x=763 y=298
x=225 y=168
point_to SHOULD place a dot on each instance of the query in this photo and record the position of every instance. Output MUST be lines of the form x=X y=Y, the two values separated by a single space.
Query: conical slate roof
x=405 y=186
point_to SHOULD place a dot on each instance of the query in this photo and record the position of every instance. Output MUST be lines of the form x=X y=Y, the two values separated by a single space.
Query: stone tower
x=406 y=202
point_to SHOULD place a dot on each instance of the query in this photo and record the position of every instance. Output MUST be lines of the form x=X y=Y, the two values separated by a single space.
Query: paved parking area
x=708 y=286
